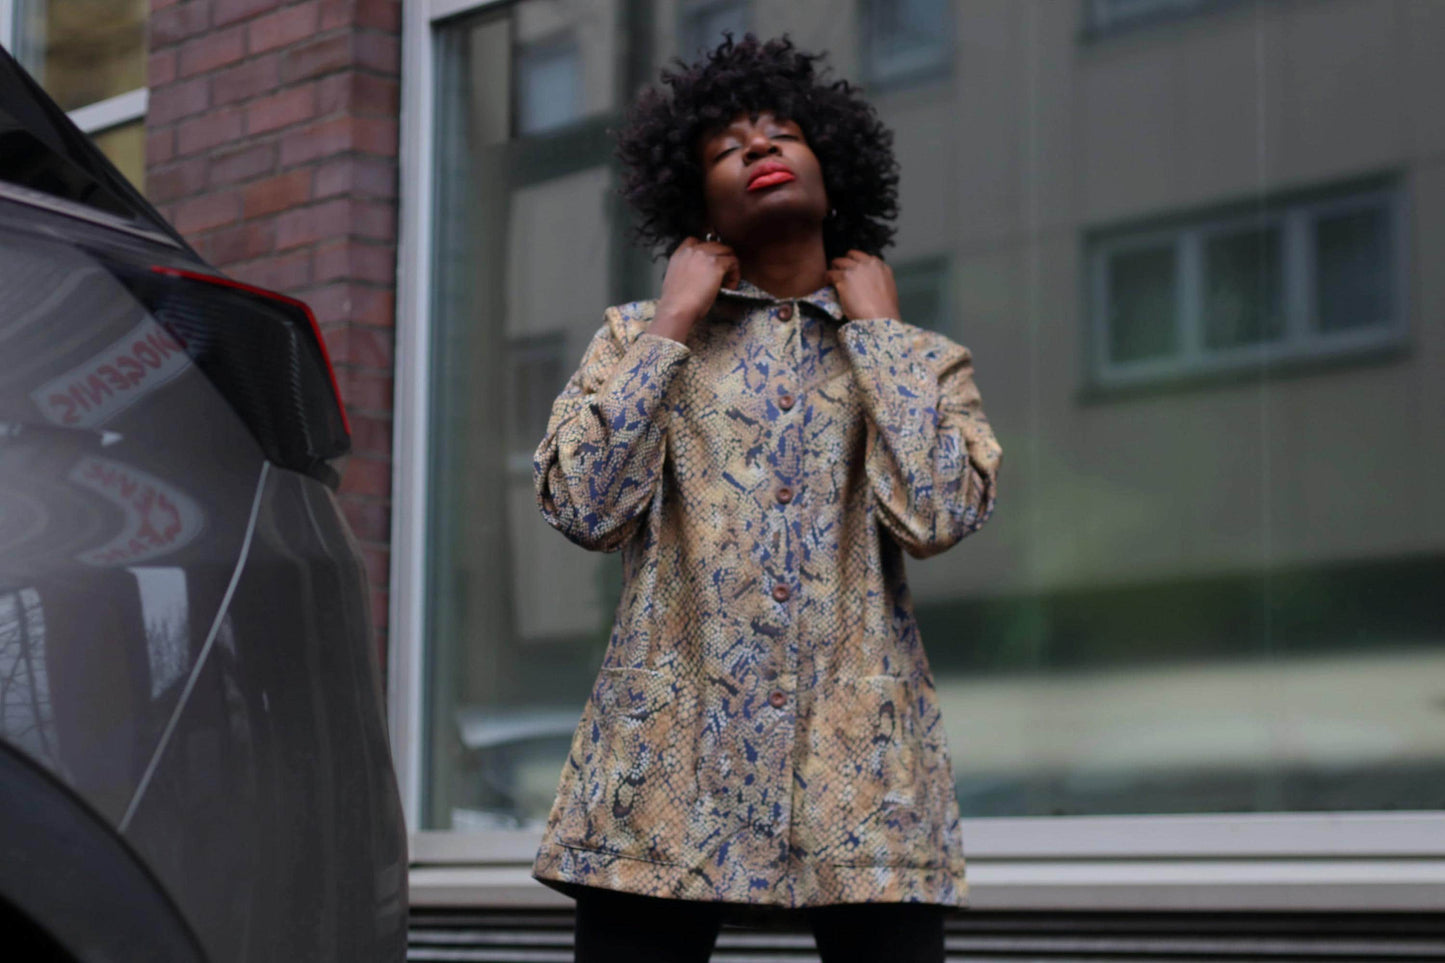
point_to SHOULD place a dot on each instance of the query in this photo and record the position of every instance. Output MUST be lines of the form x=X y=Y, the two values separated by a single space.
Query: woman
x=761 y=443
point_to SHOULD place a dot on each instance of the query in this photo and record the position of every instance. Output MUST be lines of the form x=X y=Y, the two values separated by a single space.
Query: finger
x=844 y=263
x=861 y=256
x=733 y=274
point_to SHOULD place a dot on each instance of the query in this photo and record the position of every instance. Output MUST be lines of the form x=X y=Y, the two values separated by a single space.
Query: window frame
x=689 y=10
x=94 y=118
x=1301 y=343
x=1348 y=861
x=1100 y=21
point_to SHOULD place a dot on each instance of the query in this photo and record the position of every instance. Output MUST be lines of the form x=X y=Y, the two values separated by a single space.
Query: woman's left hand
x=865 y=286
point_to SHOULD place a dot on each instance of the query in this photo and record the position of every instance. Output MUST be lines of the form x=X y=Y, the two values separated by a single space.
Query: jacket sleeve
x=600 y=462
x=932 y=459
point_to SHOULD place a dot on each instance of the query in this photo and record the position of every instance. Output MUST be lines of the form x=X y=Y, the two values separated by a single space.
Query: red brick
x=160 y=68
x=377 y=559
x=379 y=15
x=204 y=213
x=376 y=135
x=243 y=163
x=285 y=273
x=256 y=76
x=361 y=93
x=375 y=220
x=160 y=146
x=370 y=434
x=368 y=348
x=321 y=56
x=212 y=50
x=286 y=26
x=177 y=23
x=349 y=260
x=171 y=102
x=176 y=180
x=282 y=109
x=317 y=222
x=337 y=13
x=370 y=520
x=368 y=391
x=366 y=476
x=379 y=51
x=243 y=242
x=316 y=140
x=207 y=131
x=229 y=11
x=278 y=193
x=357 y=177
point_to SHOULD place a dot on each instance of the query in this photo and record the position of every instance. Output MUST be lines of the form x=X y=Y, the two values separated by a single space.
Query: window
x=1107 y=16
x=549 y=85
x=535 y=374
x=906 y=41
x=701 y=24
x=1304 y=279
x=90 y=56
x=923 y=295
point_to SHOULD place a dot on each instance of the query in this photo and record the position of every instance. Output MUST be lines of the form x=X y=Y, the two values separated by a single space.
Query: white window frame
x=1252 y=861
x=1301 y=340
x=92 y=119
x=1105 y=18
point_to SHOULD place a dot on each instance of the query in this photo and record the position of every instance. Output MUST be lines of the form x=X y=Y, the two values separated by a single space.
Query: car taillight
x=264 y=352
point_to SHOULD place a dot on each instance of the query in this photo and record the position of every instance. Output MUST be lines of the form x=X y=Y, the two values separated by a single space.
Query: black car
x=193 y=754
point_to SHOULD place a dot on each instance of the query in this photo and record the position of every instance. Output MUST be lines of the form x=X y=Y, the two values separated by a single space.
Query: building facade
x=1193 y=663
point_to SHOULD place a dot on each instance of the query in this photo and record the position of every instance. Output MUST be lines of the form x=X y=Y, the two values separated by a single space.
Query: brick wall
x=271 y=143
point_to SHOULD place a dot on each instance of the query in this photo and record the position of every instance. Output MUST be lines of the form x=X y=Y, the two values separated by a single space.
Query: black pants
x=617 y=927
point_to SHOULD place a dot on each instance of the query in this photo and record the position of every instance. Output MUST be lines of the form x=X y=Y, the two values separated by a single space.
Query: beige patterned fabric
x=764 y=728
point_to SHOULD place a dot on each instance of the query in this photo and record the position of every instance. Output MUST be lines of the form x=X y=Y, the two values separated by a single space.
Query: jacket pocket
x=871 y=815
x=636 y=775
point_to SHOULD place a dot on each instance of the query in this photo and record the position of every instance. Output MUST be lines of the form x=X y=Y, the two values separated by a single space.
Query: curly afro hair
x=662 y=177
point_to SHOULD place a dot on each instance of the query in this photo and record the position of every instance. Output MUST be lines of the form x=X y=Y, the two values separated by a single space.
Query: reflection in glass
x=1352 y=269
x=1191 y=598
x=549 y=86
x=83 y=51
x=1142 y=304
x=1242 y=303
x=702 y=24
x=27 y=717
x=906 y=40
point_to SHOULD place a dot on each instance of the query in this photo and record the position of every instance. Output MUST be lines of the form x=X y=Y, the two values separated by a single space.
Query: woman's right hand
x=695 y=272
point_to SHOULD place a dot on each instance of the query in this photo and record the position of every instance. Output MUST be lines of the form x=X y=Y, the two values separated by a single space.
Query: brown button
x=785 y=313
x=778 y=698
x=786 y=401
x=785 y=494
x=781 y=593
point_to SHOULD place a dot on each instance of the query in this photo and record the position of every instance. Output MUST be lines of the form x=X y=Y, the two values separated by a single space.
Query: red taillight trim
x=274 y=296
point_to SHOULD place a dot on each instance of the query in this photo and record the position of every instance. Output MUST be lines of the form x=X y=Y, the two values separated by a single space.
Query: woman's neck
x=786 y=267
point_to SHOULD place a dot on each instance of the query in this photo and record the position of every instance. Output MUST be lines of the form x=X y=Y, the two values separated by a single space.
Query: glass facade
x=1191 y=259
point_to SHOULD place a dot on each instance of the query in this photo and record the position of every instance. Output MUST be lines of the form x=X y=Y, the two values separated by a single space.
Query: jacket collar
x=824 y=299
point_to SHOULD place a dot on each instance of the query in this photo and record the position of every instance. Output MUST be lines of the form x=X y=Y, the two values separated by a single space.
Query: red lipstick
x=769 y=174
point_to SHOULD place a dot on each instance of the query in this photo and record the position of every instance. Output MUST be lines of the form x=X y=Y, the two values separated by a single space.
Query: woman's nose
x=760 y=146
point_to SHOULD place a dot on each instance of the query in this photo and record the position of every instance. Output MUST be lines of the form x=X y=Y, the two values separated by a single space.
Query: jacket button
x=779 y=698
x=785 y=402
x=785 y=313
x=781 y=593
x=785 y=494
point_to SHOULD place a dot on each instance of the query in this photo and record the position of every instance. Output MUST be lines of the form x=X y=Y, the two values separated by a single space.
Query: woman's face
x=758 y=174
